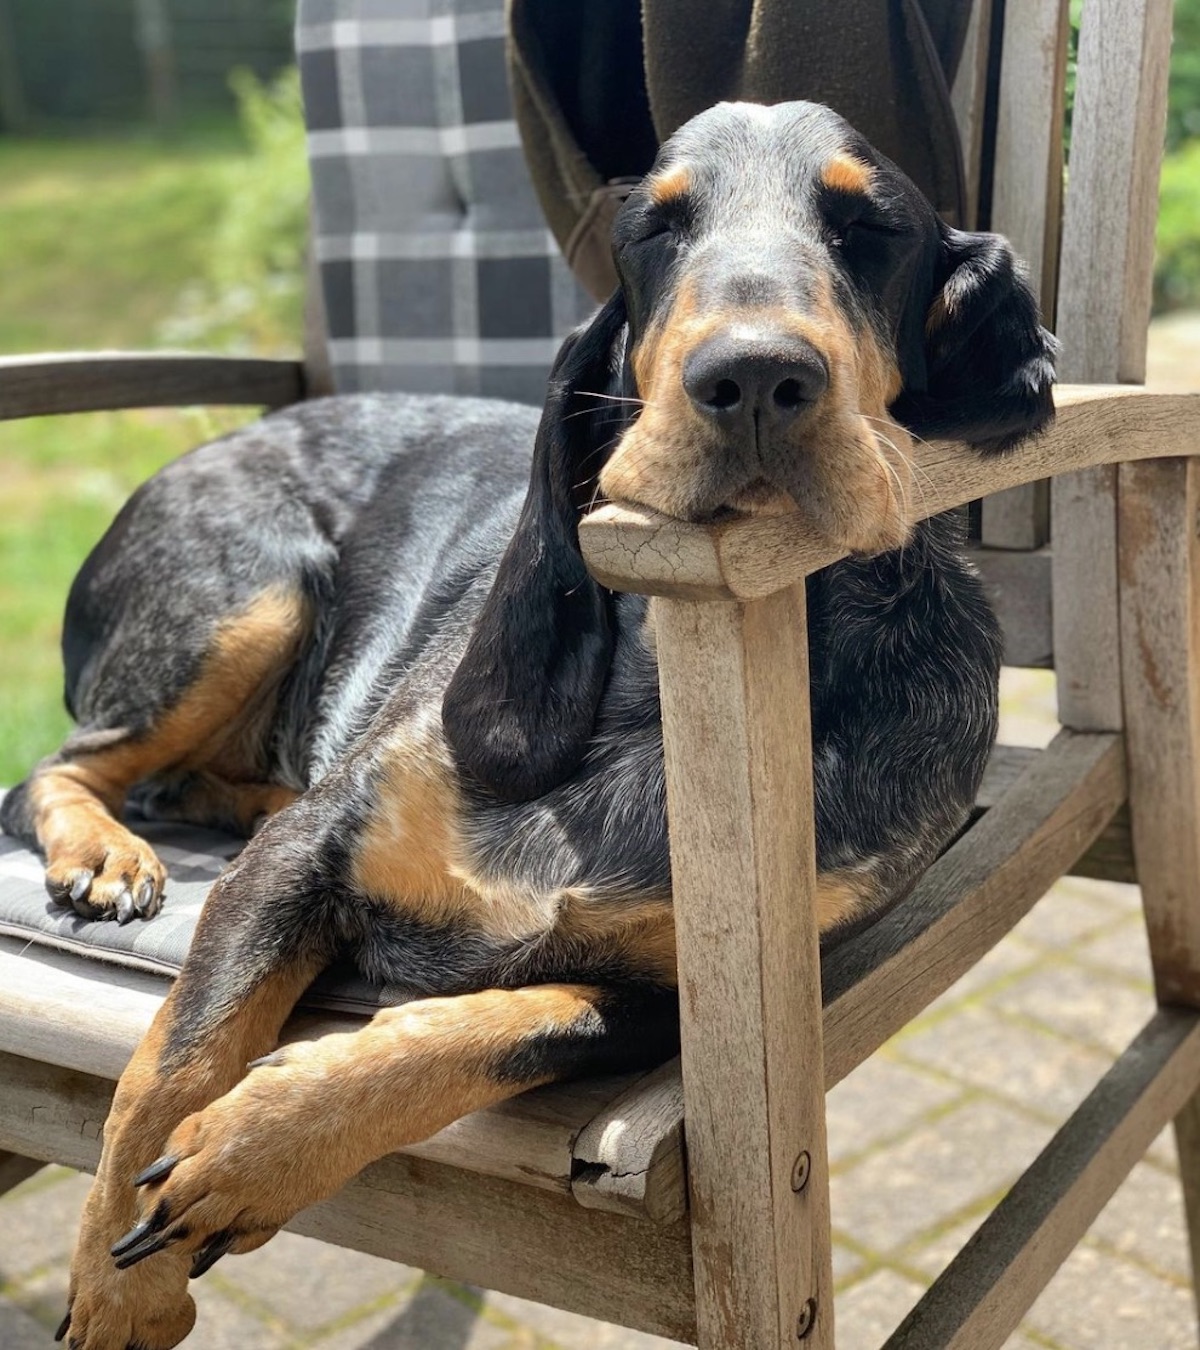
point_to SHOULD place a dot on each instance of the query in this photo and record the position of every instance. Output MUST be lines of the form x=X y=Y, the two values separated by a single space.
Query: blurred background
x=153 y=192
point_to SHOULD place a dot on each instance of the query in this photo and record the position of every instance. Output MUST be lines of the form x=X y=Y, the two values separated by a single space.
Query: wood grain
x=485 y=1230
x=1019 y=587
x=1103 y=312
x=982 y=1295
x=88 y=1016
x=631 y=548
x=734 y=682
x=70 y=382
x=968 y=97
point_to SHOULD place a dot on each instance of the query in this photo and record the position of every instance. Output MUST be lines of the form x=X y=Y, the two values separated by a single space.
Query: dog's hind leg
x=71 y=804
x=313 y=1114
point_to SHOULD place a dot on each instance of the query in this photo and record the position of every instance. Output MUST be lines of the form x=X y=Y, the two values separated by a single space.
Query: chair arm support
x=68 y=382
x=630 y=548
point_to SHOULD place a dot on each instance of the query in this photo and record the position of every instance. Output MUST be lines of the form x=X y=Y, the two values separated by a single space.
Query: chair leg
x=735 y=719
x=1159 y=511
x=15 y=1169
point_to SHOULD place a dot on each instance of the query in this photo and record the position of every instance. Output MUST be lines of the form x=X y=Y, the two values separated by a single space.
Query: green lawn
x=102 y=239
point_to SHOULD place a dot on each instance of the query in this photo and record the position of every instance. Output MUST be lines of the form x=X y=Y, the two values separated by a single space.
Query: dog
x=361 y=633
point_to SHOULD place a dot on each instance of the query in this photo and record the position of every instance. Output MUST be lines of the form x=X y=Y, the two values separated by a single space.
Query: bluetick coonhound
x=361 y=632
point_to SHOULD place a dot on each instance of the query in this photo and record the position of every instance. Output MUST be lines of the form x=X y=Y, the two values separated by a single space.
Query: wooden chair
x=581 y=1196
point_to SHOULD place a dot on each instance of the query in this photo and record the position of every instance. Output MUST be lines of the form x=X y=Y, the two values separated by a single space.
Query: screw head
x=807 y=1319
x=800 y=1171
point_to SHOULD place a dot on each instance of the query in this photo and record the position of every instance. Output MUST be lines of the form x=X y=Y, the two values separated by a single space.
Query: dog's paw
x=110 y=1309
x=110 y=874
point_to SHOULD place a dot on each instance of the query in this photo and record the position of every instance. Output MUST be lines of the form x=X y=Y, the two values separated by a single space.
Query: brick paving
x=923 y=1140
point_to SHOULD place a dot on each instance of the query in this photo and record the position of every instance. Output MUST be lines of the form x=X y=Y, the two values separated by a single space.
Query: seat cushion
x=193 y=858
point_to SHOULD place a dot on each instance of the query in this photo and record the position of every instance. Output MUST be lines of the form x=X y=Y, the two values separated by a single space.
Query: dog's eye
x=864 y=227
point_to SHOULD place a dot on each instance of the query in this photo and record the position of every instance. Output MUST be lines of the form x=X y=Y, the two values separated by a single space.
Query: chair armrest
x=67 y=382
x=630 y=548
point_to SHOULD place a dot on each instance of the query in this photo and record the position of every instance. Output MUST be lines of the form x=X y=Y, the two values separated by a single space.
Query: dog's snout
x=737 y=380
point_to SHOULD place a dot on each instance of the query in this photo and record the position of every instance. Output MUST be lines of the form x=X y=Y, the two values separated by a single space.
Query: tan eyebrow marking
x=671 y=184
x=844 y=173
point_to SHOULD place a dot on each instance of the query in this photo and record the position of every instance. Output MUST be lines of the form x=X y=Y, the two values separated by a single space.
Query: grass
x=102 y=240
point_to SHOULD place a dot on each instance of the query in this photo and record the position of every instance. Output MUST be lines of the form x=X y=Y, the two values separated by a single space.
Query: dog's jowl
x=361 y=633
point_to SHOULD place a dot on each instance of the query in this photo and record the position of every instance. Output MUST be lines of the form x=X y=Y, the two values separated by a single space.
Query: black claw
x=63 y=1327
x=157 y=1171
x=154 y=1243
x=211 y=1252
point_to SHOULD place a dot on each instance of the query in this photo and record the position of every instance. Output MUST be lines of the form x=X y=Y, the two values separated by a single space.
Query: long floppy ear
x=520 y=708
x=989 y=362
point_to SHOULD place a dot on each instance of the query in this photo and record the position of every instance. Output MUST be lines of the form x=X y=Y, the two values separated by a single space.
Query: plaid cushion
x=438 y=270
x=193 y=858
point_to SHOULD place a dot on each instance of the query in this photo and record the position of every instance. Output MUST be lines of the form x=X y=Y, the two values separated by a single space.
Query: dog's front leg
x=311 y=1115
x=228 y=1005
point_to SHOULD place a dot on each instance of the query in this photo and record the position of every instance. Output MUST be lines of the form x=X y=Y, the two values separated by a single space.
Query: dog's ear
x=520 y=708
x=989 y=363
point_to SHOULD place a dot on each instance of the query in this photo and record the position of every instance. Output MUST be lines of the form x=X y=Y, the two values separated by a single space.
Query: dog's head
x=791 y=314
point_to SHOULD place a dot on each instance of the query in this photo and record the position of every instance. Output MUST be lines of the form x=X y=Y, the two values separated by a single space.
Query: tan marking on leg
x=296 y=1129
x=670 y=185
x=76 y=803
x=215 y=803
x=843 y=896
x=148 y=1304
x=845 y=173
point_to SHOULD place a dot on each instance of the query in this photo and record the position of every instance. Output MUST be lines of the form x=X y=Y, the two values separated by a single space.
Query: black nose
x=772 y=379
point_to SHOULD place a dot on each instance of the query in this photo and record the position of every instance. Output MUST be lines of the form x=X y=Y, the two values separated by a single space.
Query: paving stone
x=1124 y=950
x=846 y=1263
x=1073 y=911
x=1080 y=1004
x=1028 y=708
x=879 y=1100
x=221 y=1324
x=567 y=1331
x=897 y=1193
x=1097 y=1300
x=427 y=1318
x=307 y=1283
x=868 y=1312
x=39 y=1222
x=1033 y=1067
x=932 y=1255
x=1145 y=1219
x=43 y=1296
x=19 y=1331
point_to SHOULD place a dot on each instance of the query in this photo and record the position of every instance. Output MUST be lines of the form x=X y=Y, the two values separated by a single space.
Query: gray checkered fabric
x=193 y=858
x=438 y=271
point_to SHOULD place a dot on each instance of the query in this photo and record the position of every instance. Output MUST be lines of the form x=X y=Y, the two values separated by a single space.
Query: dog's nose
x=766 y=379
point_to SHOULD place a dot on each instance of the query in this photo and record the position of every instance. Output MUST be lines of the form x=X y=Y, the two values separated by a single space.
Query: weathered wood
x=70 y=382
x=982 y=1295
x=631 y=548
x=88 y=1016
x=968 y=97
x=1160 y=645
x=734 y=684
x=1019 y=587
x=486 y=1230
x=1103 y=309
x=1158 y=516
x=629 y=1157
x=14 y=1169
x=970 y=897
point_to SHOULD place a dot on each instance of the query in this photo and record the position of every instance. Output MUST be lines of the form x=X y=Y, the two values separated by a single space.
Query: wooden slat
x=70 y=382
x=982 y=1295
x=1103 y=309
x=968 y=97
x=485 y=1230
x=739 y=802
x=629 y=1157
x=1159 y=506
x=970 y=897
x=631 y=548
x=1027 y=208
x=88 y=1016
x=1019 y=587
